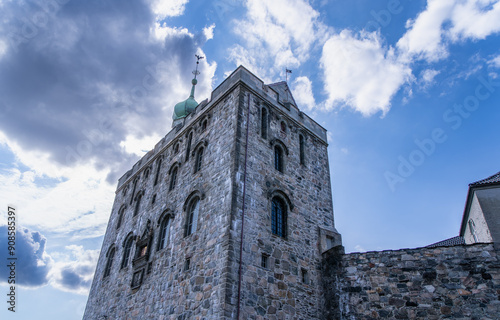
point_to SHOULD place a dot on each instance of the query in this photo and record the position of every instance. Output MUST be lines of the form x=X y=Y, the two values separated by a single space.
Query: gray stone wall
x=459 y=282
x=278 y=291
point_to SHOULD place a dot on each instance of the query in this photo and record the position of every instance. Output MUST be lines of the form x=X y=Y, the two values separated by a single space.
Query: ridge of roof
x=494 y=179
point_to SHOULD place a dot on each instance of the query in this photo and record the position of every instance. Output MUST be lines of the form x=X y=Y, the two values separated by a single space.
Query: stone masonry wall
x=458 y=282
x=278 y=290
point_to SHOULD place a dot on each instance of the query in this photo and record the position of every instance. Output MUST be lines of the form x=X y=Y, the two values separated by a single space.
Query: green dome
x=183 y=108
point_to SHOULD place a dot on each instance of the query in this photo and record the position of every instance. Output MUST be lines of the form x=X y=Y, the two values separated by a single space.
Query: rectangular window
x=187 y=264
x=264 y=261
x=304 y=276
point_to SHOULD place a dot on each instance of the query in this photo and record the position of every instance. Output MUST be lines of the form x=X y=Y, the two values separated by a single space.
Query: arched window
x=198 y=159
x=278 y=158
x=127 y=248
x=158 y=168
x=188 y=149
x=263 y=123
x=164 y=232
x=138 y=203
x=146 y=173
x=110 y=255
x=176 y=148
x=173 y=178
x=204 y=125
x=278 y=217
x=302 y=149
x=192 y=216
x=121 y=213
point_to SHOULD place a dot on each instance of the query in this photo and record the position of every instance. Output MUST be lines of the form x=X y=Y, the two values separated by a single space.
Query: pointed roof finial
x=198 y=58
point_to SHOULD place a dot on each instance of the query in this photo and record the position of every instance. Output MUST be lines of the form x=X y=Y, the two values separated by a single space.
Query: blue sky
x=408 y=91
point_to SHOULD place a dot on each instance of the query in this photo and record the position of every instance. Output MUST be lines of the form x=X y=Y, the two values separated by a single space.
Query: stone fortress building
x=230 y=216
x=226 y=218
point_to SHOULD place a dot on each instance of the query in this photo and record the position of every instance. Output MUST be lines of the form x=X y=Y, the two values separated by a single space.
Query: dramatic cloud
x=77 y=79
x=33 y=263
x=361 y=73
x=445 y=21
x=75 y=271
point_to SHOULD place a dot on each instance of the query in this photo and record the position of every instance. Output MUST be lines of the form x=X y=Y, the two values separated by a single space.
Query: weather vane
x=198 y=58
x=287 y=71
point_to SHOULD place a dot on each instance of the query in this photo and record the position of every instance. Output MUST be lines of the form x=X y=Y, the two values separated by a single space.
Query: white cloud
x=139 y=146
x=302 y=93
x=445 y=21
x=209 y=32
x=168 y=8
x=494 y=62
x=424 y=39
x=475 y=19
x=162 y=31
x=427 y=77
x=277 y=34
x=361 y=73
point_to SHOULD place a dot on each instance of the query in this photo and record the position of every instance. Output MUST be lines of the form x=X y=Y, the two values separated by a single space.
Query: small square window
x=264 y=261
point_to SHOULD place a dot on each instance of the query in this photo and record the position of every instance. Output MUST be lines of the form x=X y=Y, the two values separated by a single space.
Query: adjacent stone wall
x=459 y=282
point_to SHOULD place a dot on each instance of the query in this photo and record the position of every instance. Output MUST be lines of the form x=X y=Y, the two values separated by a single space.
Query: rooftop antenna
x=287 y=71
x=198 y=58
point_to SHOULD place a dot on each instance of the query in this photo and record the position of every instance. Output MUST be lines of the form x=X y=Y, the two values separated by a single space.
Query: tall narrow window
x=263 y=260
x=204 y=125
x=137 y=204
x=302 y=149
x=188 y=149
x=472 y=227
x=304 y=276
x=263 y=123
x=126 y=252
x=120 y=217
x=192 y=216
x=198 y=160
x=278 y=158
x=278 y=217
x=173 y=178
x=133 y=191
x=109 y=262
x=164 y=232
x=283 y=126
x=158 y=168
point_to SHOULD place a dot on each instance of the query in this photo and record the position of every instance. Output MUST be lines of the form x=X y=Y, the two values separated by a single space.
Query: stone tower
x=226 y=218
